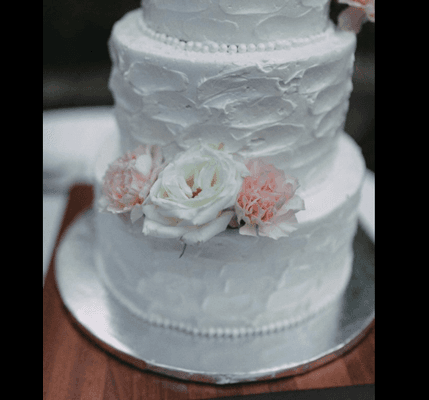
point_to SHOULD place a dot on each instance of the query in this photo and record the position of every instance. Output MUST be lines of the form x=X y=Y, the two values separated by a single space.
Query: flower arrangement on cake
x=200 y=193
x=358 y=12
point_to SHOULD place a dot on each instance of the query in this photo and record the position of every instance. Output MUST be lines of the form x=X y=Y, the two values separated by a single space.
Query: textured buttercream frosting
x=286 y=106
x=236 y=21
x=270 y=80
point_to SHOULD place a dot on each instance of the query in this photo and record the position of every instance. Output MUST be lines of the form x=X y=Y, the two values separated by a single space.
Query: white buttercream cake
x=269 y=80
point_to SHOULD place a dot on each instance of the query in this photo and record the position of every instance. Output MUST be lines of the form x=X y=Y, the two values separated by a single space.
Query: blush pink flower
x=129 y=179
x=352 y=18
x=267 y=202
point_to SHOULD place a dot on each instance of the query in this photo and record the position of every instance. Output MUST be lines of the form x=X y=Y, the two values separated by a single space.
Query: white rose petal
x=156 y=229
x=209 y=230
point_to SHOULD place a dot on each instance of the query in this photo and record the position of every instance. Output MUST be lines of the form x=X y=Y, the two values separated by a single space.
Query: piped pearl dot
x=251 y=47
x=261 y=47
x=242 y=48
x=214 y=47
x=166 y=323
x=270 y=46
x=189 y=45
x=232 y=49
x=181 y=326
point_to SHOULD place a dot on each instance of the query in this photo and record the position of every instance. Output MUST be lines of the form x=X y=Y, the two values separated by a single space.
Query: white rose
x=190 y=197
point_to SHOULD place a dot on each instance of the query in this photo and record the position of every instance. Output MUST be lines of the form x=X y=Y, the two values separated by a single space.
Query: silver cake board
x=311 y=344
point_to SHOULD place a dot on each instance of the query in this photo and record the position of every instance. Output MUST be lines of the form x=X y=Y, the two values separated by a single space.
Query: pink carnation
x=129 y=179
x=359 y=11
x=267 y=202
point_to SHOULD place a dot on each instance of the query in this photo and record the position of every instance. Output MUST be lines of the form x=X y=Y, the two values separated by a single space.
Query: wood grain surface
x=74 y=367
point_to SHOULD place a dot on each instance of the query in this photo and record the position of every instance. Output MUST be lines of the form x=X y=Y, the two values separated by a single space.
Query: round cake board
x=217 y=360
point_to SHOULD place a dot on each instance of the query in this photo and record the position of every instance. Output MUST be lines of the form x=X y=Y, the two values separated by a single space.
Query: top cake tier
x=236 y=21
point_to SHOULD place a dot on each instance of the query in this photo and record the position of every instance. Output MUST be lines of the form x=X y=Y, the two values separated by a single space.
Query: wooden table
x=75 y=368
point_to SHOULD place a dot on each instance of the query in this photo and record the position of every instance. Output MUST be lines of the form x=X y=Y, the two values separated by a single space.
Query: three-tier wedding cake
x=229 y=199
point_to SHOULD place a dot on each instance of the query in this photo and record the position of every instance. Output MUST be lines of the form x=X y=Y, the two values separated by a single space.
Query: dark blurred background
x=76 y=62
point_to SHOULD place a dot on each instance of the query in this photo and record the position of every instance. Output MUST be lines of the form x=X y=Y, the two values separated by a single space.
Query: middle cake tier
x=284 y=102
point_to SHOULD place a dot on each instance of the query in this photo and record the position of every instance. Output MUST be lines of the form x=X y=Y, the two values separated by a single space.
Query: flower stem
x=183 y=252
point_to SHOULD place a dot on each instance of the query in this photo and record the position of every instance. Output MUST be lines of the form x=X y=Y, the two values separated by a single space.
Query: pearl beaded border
x=235 y=332
x=218 y=332
x=213 y=47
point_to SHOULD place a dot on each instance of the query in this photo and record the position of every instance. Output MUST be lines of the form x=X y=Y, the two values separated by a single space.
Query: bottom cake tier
x=235 y=285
